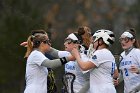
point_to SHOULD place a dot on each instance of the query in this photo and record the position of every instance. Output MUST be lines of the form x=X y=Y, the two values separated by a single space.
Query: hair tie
x=32 y=36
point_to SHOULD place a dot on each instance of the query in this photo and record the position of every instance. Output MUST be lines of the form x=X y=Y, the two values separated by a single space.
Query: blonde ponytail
x=29 y=47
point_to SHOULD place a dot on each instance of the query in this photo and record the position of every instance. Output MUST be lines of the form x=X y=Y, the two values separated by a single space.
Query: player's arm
x=135 y=69
x=116 y=77
x=116 y=73
x=83 y=65
x=53 y=52
x=24 y=44
x=118 y=80
x=56 y=62
x=57 y=53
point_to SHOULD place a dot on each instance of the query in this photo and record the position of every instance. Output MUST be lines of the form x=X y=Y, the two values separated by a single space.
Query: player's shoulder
x=136 y=50
x=35 y=53
x=102 y=51
x=123 y=53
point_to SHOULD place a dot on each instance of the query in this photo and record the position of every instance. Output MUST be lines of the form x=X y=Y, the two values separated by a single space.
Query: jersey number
x=126 y=71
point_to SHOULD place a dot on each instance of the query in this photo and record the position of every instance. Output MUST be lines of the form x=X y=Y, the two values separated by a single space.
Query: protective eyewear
x=126 y=39
x=47 y=42
x=69 y=41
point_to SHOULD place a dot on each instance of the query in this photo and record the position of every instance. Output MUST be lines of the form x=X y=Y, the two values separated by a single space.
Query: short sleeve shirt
x=36 y=75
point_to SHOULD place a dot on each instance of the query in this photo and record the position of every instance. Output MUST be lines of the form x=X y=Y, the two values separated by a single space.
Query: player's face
x=95 y=44
x=69 y=45
x=126 y=42
x=46 y=44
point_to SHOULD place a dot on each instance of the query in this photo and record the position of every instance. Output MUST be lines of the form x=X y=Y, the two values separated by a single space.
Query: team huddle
x=89 y=63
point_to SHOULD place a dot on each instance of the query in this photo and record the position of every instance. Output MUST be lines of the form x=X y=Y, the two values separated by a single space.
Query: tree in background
x=60 y=17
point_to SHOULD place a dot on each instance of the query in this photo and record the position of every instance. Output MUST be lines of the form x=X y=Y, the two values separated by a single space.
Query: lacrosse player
x=130 y=62
x=51 y=86
x=101 y=64
x=72 y=67
x=37 y=64
x=81 y=41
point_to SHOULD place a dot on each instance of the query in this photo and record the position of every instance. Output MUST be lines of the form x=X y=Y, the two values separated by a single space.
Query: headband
x=72 y=36
x=127 y=34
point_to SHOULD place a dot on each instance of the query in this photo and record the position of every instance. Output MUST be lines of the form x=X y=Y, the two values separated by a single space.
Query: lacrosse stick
x=68 y=80
x=90 y=50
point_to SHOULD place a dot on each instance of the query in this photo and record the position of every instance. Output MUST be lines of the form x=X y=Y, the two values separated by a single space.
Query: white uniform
x=101 y=80
x=131 y=80
x=81 y=76
x=70 y=66
x=36 y=75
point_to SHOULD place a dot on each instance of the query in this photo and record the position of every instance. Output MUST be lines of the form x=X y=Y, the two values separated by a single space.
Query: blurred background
x=58 y=17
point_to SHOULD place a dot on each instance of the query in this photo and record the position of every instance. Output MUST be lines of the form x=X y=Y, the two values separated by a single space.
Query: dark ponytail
x=40 y=31
x=133 y=32
x=85 y=33
x=81 y=31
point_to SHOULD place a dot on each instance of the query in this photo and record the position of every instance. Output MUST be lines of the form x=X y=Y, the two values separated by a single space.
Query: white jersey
x=131 y=80
x=101 y=80
x=70 y=66
x=36 y=75
x=81 y=76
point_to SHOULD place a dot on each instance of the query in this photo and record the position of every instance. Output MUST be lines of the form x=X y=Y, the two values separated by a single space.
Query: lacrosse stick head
x=68 y=80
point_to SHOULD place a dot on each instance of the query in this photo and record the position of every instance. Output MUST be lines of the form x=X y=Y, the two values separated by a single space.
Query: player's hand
x=71 y=58
x=134 y=69
x=23 y=44
x=115 y=81
x=75 y=52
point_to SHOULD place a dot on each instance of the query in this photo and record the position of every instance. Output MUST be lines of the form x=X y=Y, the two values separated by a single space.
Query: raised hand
x=75 y=52
x=23 y=44
x=134 y=69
